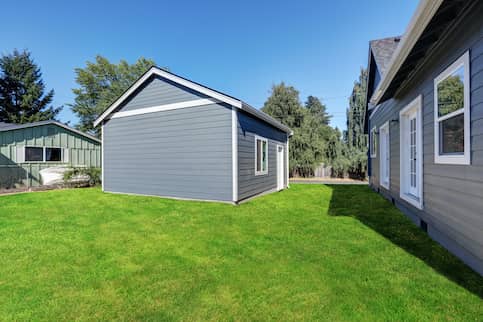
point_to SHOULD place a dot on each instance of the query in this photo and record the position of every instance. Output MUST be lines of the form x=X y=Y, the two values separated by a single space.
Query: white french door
x=280 y=167
x=384 y=155
x=411 y=158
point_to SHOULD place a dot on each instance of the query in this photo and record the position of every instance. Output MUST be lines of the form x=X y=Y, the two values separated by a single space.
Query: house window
x=452 y=113
x=373 y=143
x=261 y=156
x=53 y=154
x=44 y=154
x=34 y=154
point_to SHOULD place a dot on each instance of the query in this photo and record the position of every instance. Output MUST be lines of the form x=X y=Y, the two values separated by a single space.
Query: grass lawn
x=311 y=252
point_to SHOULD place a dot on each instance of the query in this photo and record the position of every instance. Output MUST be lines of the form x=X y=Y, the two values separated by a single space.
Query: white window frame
x=465 y=158
x=416 y=201
x=44 y=154
x=261 y=172
x=383 y=180
x=373 y=142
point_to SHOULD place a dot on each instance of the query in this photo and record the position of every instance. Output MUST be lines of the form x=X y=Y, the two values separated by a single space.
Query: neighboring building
x=26 y=149
x=425 y=121
x=168 y=136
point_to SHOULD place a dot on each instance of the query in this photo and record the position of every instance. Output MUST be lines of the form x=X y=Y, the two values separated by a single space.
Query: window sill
x=261 y=173
x=452 y=159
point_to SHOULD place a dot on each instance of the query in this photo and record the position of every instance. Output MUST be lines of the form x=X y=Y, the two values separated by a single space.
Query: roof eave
x=423 y=15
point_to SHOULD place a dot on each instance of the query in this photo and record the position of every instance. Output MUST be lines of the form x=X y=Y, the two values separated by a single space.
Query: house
x=26 y=149
x=425 y=123
x=169 y=136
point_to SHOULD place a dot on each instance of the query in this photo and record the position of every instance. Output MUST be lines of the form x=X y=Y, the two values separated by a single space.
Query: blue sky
x=238 y=47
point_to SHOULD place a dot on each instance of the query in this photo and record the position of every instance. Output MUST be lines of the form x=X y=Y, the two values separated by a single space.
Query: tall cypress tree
x=22 y=97
x=354 y=137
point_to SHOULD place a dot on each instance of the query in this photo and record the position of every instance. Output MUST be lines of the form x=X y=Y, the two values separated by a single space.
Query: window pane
x=34 y=154
x=53 y=154
x=258 y=156
x=264 y=155
x=452 y=135
x=451 y=93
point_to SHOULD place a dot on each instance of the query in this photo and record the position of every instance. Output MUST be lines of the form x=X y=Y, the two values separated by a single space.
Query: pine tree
x=100 y=84
x=284 y=105
x=318 y=110
x=22 y=97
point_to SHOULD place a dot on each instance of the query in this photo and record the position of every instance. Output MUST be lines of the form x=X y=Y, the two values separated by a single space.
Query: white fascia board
x=423 y=15
x=174 y=78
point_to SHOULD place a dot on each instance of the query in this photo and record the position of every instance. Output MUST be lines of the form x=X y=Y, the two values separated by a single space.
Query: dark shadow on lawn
x=379 y=214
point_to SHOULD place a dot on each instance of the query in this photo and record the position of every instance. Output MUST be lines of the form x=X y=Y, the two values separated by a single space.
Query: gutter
x=420 y=20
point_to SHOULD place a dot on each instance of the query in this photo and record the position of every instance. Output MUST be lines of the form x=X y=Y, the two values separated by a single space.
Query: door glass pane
x=451 y=93
x=264 y=155
x=452 y=135
x=258 y=156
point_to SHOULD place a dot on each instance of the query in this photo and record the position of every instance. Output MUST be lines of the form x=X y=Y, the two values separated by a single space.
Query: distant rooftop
x=382 y=50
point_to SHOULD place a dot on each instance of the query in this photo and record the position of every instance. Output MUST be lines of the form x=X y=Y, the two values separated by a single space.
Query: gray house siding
x=452 y=194
x=184 y=153
x=159 y=91
x=248 y=183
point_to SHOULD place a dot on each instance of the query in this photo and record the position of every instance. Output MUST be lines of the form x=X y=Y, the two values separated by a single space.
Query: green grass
x=311 y=252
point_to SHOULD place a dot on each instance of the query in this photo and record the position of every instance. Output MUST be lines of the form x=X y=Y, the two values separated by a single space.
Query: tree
x=100 y=84
x=354 y=137
x=318 y=110
x=22 y=97
x=284 y=105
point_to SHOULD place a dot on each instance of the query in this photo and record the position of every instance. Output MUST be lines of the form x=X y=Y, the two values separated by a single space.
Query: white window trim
x=261 y=172
x=373 y=143
x=44 y=148
x=464 y=158
x=384 y=127
x=415 y=201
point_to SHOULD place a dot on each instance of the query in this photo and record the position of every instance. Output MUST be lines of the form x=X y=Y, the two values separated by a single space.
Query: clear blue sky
x=238 y=47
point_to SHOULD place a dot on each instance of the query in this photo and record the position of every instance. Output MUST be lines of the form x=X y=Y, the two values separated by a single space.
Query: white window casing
x=261 y=150
x=384 y=156
x=411 y=153
x=373 y=142
x=464 y=157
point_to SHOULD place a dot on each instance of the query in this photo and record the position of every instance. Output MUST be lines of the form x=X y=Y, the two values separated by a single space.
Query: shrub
x=93 y=174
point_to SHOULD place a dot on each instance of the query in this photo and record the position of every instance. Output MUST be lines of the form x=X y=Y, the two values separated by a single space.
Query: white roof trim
x=194 y=86
x=423 y=15
x=171 y=77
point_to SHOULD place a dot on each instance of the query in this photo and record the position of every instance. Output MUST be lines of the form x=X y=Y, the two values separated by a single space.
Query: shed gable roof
x=194 y=86
x=382 y=51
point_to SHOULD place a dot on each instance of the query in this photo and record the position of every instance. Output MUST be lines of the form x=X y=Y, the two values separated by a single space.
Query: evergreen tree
x=22 y=97
x=318 y=110
x=284 y=105
x=354 y=137
x=100 y=84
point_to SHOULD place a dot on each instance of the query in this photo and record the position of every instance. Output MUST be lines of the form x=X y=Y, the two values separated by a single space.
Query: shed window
x=451 y=113
x=34 y=154
x=261 y=156
x=53 y=154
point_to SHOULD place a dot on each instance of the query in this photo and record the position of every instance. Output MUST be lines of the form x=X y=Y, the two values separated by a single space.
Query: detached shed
x=26 y=149
x=169 y=136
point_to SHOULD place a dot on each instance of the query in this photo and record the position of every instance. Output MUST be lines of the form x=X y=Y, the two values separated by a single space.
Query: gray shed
x=168 y=136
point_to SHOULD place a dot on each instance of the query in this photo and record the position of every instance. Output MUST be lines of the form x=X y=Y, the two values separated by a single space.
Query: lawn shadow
x=380 y=215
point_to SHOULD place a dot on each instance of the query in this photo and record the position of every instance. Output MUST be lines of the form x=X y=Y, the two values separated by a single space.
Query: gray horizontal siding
x=452 y=194
x=184 y=153
x=248 y=183
x=159 y=91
